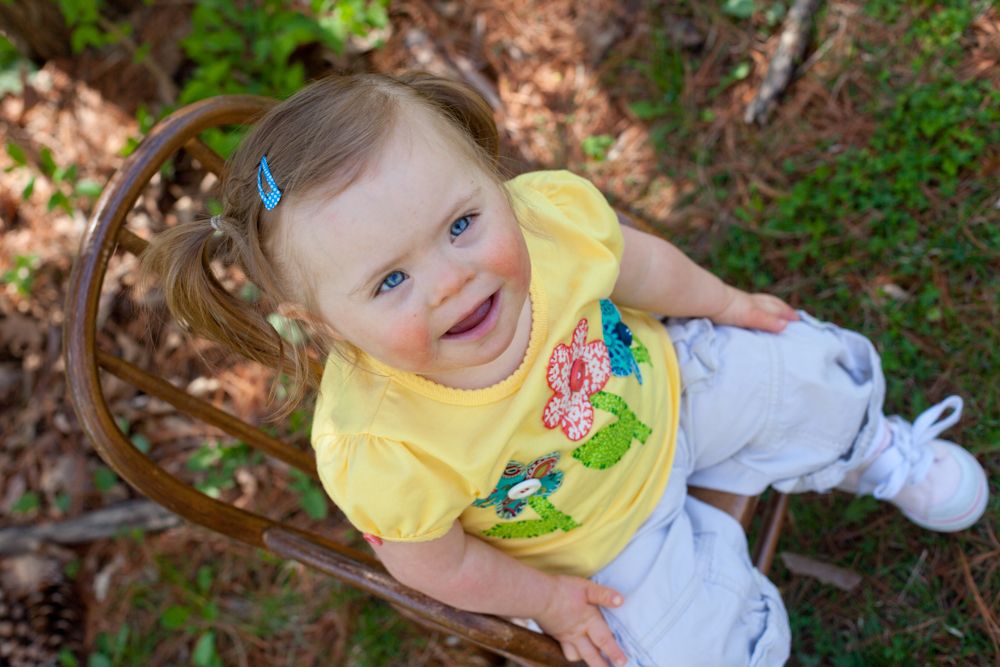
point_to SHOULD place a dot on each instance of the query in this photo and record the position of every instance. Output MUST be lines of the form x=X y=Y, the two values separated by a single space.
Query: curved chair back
x=106 y=234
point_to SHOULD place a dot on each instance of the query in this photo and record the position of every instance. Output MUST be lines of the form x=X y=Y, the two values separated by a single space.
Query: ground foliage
x=870 y=198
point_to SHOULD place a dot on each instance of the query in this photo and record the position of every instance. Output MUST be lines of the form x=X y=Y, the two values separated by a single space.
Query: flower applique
x=519 y=482
x=575 y=373
x=528 y=485
x=626 y=351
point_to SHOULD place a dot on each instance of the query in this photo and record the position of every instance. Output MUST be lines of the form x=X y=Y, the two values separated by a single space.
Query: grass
x=207 y=602
x=894 y=235
x=890 y=230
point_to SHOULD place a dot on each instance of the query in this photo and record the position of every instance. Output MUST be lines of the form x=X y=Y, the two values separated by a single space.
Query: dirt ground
x=556 y=73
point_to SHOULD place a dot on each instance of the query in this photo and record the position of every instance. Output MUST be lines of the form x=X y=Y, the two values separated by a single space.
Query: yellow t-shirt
x=556 y=465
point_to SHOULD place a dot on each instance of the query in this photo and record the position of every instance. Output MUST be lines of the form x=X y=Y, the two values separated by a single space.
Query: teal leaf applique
x=611 y=442
x=625 y=349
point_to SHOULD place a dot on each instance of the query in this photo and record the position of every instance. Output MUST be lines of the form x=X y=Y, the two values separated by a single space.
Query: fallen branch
x=105 y=522
x=791 y=46
x=842 y=578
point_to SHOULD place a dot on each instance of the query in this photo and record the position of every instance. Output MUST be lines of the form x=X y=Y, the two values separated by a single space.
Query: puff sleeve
x=390 y=488
x=566 y=198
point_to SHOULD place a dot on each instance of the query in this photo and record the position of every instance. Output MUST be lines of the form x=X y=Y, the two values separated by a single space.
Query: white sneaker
x=935 y=483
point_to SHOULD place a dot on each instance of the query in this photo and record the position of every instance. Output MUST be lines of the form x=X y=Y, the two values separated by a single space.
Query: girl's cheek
x=509 y=257
x=407 y=340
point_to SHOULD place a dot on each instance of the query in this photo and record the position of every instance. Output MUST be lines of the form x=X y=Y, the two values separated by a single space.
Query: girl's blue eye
x=392 y=280
x=460 y=226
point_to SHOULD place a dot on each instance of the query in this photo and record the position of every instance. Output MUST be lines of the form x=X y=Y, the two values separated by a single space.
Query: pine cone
x=40 y=613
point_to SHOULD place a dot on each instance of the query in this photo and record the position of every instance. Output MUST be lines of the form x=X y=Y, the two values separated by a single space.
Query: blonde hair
x=324 y=135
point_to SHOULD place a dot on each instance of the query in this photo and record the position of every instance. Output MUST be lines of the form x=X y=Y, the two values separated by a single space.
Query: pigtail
x=462 y=105
x=179 y=260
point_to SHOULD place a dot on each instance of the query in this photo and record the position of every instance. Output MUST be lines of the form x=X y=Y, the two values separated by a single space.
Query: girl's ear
x=294 y=311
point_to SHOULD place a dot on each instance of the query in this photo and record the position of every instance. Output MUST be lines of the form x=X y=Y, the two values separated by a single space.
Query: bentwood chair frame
x=107 y=234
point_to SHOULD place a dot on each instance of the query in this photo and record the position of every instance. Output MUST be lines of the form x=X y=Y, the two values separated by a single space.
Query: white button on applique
x=524 y=489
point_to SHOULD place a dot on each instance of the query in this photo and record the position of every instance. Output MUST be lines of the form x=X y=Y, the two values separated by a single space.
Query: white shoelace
x=908 y=458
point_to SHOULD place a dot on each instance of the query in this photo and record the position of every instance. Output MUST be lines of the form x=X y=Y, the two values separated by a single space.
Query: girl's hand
x=573 y=618
x=755 y=311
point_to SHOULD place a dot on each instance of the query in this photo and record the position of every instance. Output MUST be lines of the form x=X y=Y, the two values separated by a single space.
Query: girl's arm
x=467 y=573
x=657 y=277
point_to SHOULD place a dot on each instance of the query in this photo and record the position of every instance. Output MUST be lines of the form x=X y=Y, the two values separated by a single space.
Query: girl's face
x=420 y=263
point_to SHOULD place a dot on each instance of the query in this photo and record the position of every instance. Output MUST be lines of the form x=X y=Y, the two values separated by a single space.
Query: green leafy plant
x=596 y=147
x=775 y=13
x=145 y=120
x=110 y=650
x=21 y=276
x=218 y=464
x=28 y=502
x=89 y=28
x=344 y=18
x=737 y=73
x=311 y=496
x=205 y=652
x=193 y=614
x=741 y=9
x=17 y=154
x=665 y=72
x=13 y=66
x=68 y=187
x=377 y=634
x=237 y=47
x=105 y=479
x=249 y=48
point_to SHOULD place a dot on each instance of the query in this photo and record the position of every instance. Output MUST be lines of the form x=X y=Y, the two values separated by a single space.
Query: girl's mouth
x=478 y=321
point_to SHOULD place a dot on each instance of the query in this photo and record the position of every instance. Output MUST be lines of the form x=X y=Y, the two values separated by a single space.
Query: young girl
x=499 y=414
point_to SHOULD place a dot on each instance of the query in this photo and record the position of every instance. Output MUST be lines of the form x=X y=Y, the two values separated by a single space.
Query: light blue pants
x=796 y=411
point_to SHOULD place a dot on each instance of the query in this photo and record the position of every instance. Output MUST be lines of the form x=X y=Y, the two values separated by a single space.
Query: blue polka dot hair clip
x=273 y=196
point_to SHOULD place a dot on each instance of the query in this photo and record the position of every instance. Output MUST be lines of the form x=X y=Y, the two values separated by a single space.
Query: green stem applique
x=608 y=445
x=640 y=352
x=551 y=521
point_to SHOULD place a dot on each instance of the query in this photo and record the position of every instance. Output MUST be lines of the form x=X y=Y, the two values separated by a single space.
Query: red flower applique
x=575 y=373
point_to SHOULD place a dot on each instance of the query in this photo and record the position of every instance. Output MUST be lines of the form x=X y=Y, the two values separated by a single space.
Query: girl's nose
x=450 y=278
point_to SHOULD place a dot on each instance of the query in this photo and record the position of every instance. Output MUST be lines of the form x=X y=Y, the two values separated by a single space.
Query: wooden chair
x=107 y=234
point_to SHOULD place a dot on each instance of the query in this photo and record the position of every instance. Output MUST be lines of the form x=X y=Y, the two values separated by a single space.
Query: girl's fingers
x=589 y=654
x=774 y=305
x=569 y=651
x=765 y=321
x=786 y=312
x=603 y=596
x=771 y=314
x=778 y=323
x=765 y=312
x=605 y=642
